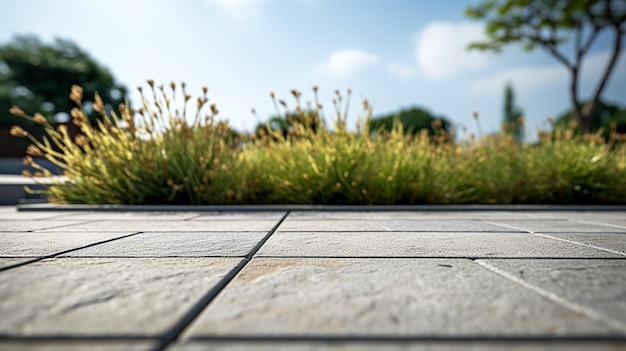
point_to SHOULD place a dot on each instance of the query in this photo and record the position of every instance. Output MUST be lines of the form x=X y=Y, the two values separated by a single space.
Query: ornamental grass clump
x=159 y=153
x=340 y=166
x=174 y=150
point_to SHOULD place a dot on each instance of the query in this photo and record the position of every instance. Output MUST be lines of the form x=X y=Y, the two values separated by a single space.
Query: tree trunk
x=587 y=111
x=583 y=120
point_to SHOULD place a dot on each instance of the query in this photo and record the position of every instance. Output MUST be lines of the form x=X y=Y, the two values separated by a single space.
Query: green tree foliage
x=309 y=120
x=513 y=115
x=549 y=24
x=414 y=120
x=37 y=76
x=607 y=117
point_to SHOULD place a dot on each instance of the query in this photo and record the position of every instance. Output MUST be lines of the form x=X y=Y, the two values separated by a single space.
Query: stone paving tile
x=26 y=244
x=104 y=297
x=588 y=215
x=398 y=346
x=9 y=261
x=597 y=284
x=252 y=215
x=615 y=242
x=23 y=225
x=406 y=215
x=42 y=215
x=171 y=226
x=383 y=297
x=620 y=223
x=294 y=225
x=418 y=244
x=552 y=226
x=176 y=244
x=325 y=225
x=133 y=215
x=77 y=345
x=442 y=226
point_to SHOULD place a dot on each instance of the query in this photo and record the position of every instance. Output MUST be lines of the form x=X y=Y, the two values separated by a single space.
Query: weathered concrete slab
x=24 y=225
x=176 y=244
x=104 y=296
x=417 y=225
x=552 y=226
x=119 y=345
x=238 y=216
x=294 y=225
x=382 y=297
x=599 y=285
x=614 y=242
x=114 y=215
x=347 y=345
x=442 y=226
x=170 y=226
x=417 y=244
x=619 y=223
x=587 y=215
x=28 y=244
x=410 y=215
x=11 y=213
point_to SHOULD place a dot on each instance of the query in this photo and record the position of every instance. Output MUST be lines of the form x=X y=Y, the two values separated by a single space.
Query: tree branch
x=578 y=39
x=590 y=39
x=617 y=47
x=550 y=46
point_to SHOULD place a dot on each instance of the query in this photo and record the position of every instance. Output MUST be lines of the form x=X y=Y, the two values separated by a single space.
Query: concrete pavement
x=312 y=279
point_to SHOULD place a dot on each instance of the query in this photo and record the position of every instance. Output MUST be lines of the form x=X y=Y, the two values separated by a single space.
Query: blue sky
x=395 y=53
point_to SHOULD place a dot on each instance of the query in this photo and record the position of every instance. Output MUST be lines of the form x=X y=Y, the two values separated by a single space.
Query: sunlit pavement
x=457 y=278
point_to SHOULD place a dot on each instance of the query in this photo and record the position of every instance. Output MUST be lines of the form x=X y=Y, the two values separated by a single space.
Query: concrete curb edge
x=282 y=208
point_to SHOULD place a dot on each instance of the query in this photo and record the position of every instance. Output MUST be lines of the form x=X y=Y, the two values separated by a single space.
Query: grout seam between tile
x=340 y=339
x=174 y=333
x=19 y=264
x=580 y=244
x=504 y=225
x=447 y=257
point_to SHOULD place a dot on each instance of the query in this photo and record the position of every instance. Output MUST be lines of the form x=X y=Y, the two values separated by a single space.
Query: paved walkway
x=313 y=280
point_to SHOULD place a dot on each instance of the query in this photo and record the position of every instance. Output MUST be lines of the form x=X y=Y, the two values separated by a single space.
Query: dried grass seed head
x=18 y=132
x=98 y=106
x=39 y=118
x=17 y=111
x=34 y=151
x=76 y=94
x=28 y=161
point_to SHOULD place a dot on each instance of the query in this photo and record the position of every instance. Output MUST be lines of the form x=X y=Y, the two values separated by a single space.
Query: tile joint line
x=554 y=297
x=174 y=333
x=37 y=259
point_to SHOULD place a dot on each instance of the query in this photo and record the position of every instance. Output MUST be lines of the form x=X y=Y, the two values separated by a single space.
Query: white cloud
x=441 y=49
x=400 y=70
x=532 y=78
x=346 y=62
